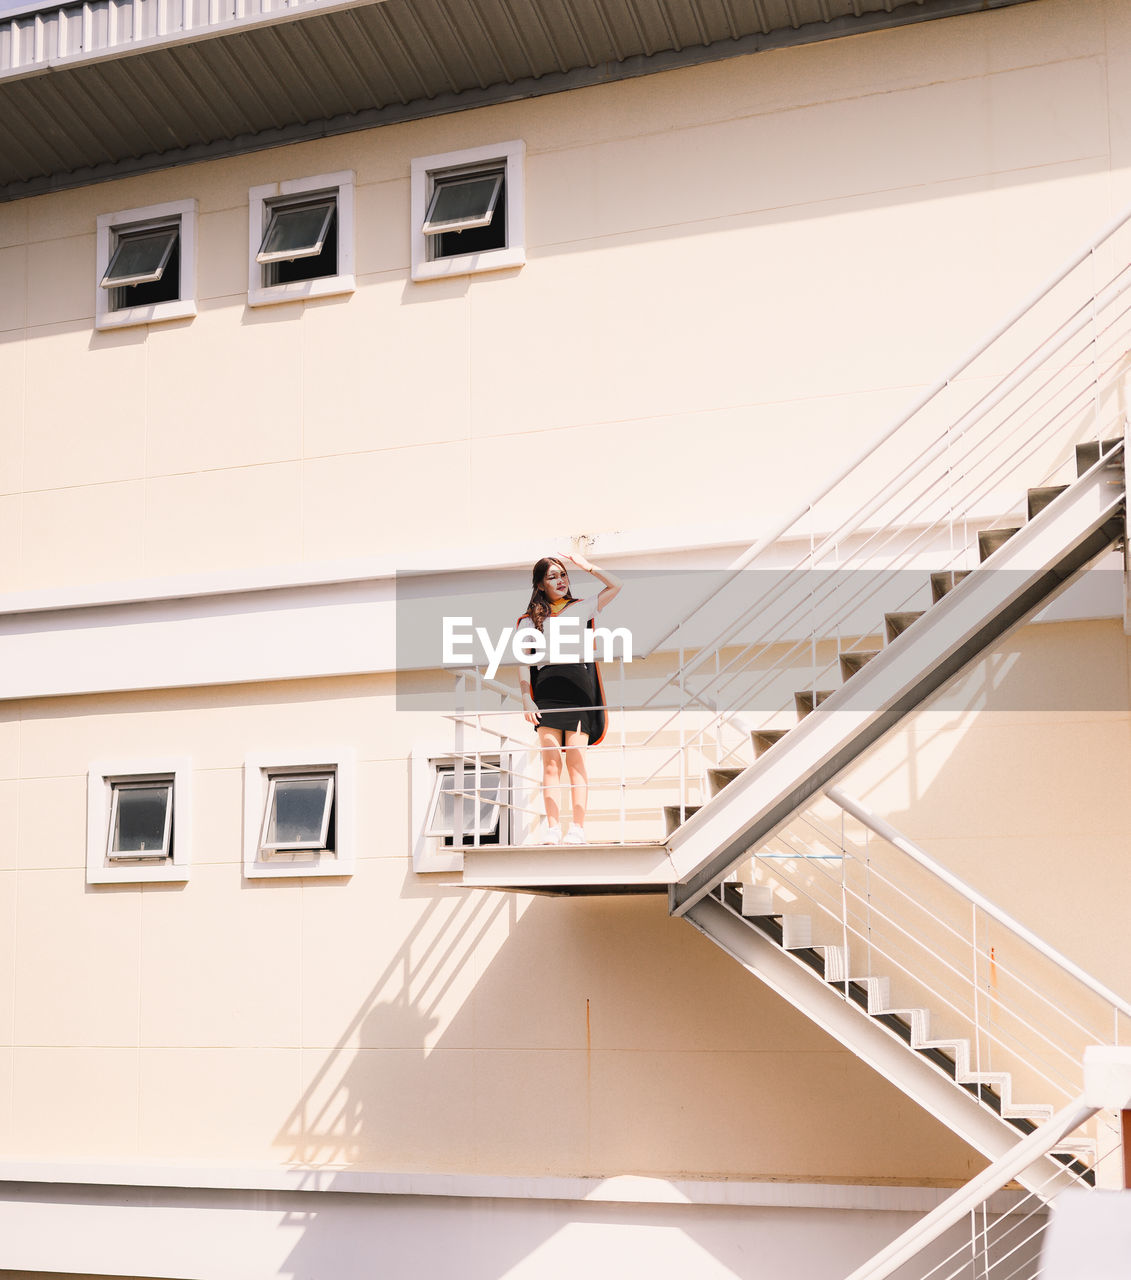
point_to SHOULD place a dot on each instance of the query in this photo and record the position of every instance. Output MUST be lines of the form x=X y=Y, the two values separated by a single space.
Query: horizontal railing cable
x=939 y=386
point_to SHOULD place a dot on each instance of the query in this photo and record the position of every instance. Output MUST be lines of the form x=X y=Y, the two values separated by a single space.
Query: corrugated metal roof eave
x=149 y=100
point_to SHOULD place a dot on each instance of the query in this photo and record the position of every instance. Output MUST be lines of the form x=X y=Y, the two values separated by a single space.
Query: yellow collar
x=556 y=606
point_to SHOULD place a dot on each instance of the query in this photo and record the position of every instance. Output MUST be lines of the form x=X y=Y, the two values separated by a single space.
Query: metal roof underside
x=99 y=90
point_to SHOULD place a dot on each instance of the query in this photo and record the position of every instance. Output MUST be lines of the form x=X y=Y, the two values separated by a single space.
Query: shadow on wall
x=541 y=1037
x=1015 y=778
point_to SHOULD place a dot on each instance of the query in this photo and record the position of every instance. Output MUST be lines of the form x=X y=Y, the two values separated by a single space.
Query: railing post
x=623 y=753
x=478 y=788
x=1125 y=1143
x=682 y=753
x=974 y=960
x=457 y=772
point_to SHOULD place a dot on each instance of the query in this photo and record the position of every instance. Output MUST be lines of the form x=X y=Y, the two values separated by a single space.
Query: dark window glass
x=139 y=821
x=312 y=268
x=298 y=811
x=167 y=289
x=450 y=244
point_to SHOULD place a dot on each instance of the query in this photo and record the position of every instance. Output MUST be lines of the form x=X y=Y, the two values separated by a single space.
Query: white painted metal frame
x=429 y=853
x=259 y=768
x=181 y=213
x=871 y=1041
x=116 y=792
x=512 y=156
x=1018 y=1164
x=898 y=840
x=100 y=778
x=262 y=199
x=268 y=846
x=435 y=827
x=1027 y=571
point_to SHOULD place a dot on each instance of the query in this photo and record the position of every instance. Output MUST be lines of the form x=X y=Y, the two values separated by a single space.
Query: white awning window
x=140 y=257
x=296 y=230
x=141 y=819
x=480 y=808
x=297 y=812
x=462 y=201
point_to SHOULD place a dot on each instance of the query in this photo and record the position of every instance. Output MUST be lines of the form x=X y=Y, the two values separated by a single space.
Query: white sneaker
x=543 y=833
x=575 y=835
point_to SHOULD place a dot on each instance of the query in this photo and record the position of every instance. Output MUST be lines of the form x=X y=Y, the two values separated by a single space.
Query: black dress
x=570 y=695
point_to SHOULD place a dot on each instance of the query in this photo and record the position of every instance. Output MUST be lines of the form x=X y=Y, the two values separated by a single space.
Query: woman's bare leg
x=550 y=746
x=575 y=744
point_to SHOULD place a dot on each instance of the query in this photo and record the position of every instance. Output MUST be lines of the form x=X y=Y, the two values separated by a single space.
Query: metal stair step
x=675 y=815
x=793 y=932
x=916 y=1019
x=958 y=1050
x=991 y=540
x=1040 y=498
x=944 y=581
x=717 y=779
x=756 y=900
x=764 y=739
x=807 y=700
x=852 y=663
x=1088 y=453
x=895 y=624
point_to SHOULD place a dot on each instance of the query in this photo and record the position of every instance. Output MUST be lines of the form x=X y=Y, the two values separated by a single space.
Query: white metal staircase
x=894 y=594
x=923 y=654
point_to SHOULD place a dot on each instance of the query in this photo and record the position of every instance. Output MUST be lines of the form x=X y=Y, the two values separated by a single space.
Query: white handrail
x=970 y=418
x=936 y=1223
x=895 y=837
x=763 y=543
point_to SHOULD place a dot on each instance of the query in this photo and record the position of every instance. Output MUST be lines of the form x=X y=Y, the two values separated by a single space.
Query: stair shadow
x=574 y=1038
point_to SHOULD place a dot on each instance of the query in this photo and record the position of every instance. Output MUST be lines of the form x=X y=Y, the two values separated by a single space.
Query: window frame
x=117 y=787
x=425 y=170
x=277 y=210
x=325 y=837
x=263 y=201
x=168 y=230
x=444 y=181
x=102 y=778
x=147 y=218
x=260 y=769
x=429 y=852
x=499 y=822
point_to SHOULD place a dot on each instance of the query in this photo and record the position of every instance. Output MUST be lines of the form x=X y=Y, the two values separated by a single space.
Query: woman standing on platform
x=564 y=700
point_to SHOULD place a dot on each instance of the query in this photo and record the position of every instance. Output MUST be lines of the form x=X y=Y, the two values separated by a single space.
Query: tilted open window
x=146 y=265
x=467 y=211
x=481 y=811
x=139 y=821
x=299 y=813
x=301 y=239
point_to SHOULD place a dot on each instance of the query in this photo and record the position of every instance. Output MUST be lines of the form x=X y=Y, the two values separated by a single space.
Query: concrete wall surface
x=735 y=274
x=188 y=1236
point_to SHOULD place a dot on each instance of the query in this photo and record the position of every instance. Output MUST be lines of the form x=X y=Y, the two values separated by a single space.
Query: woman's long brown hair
x=538 y=610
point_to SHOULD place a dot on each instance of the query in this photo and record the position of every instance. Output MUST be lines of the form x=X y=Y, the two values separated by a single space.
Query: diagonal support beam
x=1031 y=568
x=880 y=1048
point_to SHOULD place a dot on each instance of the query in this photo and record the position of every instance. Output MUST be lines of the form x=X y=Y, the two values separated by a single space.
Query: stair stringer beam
x=1027 y=572
x=872 y=1043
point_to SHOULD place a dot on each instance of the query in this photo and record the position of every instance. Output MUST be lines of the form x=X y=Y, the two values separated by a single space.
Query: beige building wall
x=738 y=271
x=392 y=1021
x=386 y=1021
